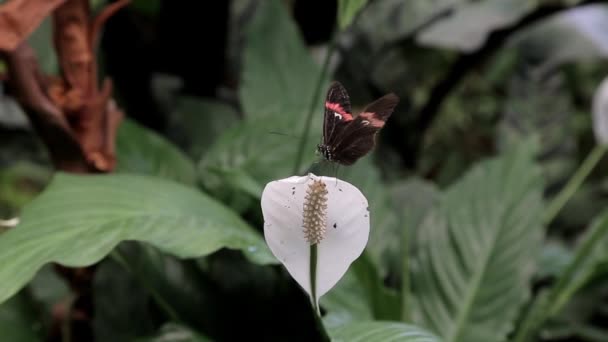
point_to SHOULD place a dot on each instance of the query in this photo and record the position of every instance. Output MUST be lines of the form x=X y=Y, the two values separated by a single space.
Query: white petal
x=282 y=206
x=600 y=113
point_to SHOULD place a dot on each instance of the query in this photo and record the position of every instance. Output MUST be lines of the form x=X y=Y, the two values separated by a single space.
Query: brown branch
x=19 y=18
x=75 y=117
x=77 y=93
x=467 y=62
x=29 y=87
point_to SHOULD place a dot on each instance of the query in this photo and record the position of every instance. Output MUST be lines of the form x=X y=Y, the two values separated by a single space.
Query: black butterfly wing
x=357 y=138
x=337 y=112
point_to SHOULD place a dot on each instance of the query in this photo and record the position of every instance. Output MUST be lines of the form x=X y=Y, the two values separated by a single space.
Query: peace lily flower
x=316 y=226
x=600 y=113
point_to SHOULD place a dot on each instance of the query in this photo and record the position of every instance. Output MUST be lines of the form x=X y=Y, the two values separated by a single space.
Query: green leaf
x=588 y=257
x=589 y=260
x=172 y=332
x=383 y=301
x=580 y=29
x=18 y=320
x=468 y=27
x=347 y=10
x=79 y=219
x=140 y=150
x=196 y=123
x=554 y=259
x=385 y=237
x=477 y=250
x=346 y=303
x=360 y=296
x=278 y=82
x=381 y=331
x=279 y=74
x=390 y=20
x=118 y=296
x=412 y=199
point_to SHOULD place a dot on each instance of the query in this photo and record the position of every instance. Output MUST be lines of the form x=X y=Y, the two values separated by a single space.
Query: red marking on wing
x=371 y=117
x=338 y=109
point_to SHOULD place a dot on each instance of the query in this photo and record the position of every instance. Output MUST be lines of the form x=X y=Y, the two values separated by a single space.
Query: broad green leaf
x=575 y=35
x=150 y=8
x=347 y=302
x=196 y=123
x=384 y=243
x=390 y=20
x=381 y=331
x=589 y=261
x=360 y=296
x=383 y=301
x=48 y=288
x=140 y=150
x=12 y=115
x=18 y=320
x=119 y=296
x=468 y=27
x=278 y=82
x=412 y=199
x=538 y=108
x=554 y=259
x=477 y=251
x=348 y=10
x=79 y=219
x=19 y=184
x=250 y=151
x=172 y=332
x=279 y=74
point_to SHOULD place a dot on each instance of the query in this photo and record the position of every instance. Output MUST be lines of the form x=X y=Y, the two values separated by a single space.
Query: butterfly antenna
x=281 y=133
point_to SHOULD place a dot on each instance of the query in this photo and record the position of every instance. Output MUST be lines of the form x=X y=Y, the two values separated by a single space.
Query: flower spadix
x=324 y=215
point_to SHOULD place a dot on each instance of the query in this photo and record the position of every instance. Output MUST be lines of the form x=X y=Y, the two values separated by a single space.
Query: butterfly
x=347 y=138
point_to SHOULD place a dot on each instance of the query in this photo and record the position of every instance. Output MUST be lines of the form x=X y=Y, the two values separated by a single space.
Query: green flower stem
x=313 y=106
x=313 y=294
x=574 y=183
x=548 y=303
x=544 y=308
x=116 y=256
x=405 y=276
x=562 y=291
x=313 y=278
x=530 y=319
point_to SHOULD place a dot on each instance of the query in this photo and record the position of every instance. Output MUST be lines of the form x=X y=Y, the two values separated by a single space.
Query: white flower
x=315 y=214
x=600 y=113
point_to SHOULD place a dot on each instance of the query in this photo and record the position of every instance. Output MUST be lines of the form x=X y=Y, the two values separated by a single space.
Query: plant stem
x=116 y=256
x=528 y=324
x=313 y=294
x=552 y=301
x=405 y=276
x=66 y=325
x=560 y=293
x=574 y=183
x=567 y=283
x=313 y=106
x=313 y=278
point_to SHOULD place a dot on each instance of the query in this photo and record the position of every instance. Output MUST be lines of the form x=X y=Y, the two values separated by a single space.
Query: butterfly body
x=346 y=138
